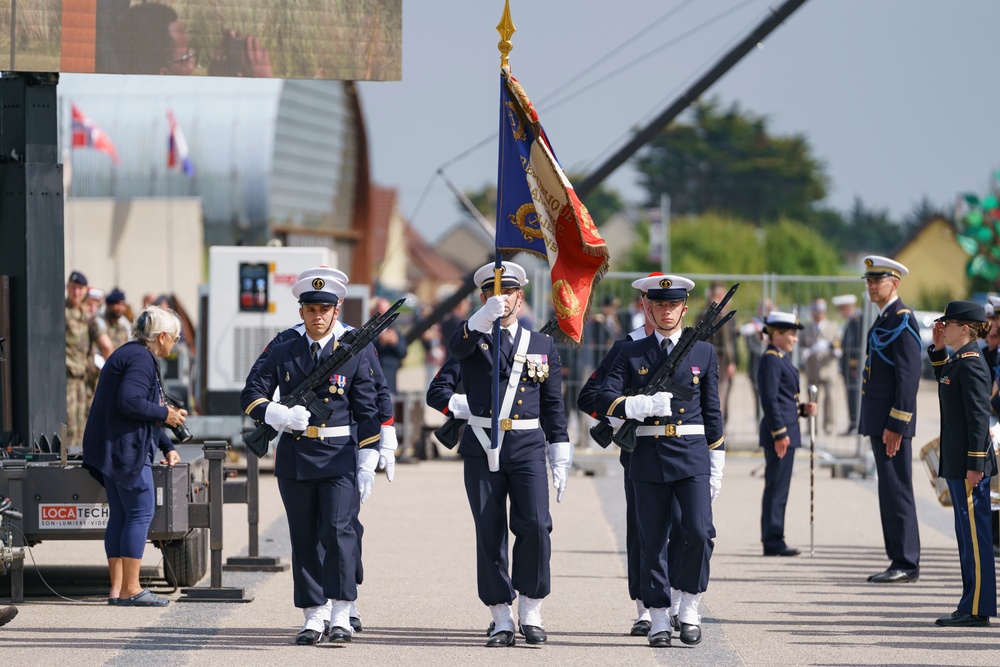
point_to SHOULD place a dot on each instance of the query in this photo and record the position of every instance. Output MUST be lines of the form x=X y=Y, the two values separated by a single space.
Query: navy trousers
x=525 y=484
x=632 y=548
x=777 y=479
x=897 y=507
x=975 y=547
x=322 y=512
x=654 y=509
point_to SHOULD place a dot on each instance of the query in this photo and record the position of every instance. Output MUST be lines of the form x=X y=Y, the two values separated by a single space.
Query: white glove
x=367 y=460
x=387 y=452
x=560 y=458
x=458 y=405
x=820 y=346
x=298 y=418
x=276 y=416
x=640 y=407
x=718 y=459
x=482 y=320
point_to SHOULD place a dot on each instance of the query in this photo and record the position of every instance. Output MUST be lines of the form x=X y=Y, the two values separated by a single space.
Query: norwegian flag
x=177 y=149
x=86 y=134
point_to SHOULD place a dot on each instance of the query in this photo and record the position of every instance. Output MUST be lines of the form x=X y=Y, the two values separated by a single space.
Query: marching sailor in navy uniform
x=888 y=415
x=778 y=388
x=387 y=442
x=531 y=415
x=967 y=457
x=672 y=459
x=586 y=402
x=323 y=469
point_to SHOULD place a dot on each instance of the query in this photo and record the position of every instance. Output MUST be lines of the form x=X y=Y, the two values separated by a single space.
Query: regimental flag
x=538 y=211
x=86 y=134
x=177 y=148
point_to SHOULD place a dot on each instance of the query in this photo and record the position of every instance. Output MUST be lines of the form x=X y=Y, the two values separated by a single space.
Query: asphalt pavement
x=419 y=606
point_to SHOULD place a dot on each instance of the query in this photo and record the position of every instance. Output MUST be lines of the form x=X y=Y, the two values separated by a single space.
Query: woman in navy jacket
x=123 y=428
x=778 y=388
x=967 y=458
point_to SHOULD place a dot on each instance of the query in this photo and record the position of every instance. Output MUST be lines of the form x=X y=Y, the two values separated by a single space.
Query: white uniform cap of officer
x=779 y=320
x=324 y=272
x=662 y=287
x=513 y=275
x=844 y=300
x=876 y=265
x=319 y=290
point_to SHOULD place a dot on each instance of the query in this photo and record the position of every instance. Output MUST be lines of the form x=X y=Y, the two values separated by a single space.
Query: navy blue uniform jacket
x=778 y=388
x=385 y=406
x=892 y=374
x=447 y=382
x=963 y=394
x=300 y=457
x=542 y=400
x=662 y=459
x=124 y=425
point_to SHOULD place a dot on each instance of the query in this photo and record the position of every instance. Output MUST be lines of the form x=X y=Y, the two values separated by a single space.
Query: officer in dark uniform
x=325 y=470
x=672 y=459
x=967 y=458
x=387 y=442
x=778 y=384
x=586 y=401
x=852 y=342
x=531 y=415
x=888 y=415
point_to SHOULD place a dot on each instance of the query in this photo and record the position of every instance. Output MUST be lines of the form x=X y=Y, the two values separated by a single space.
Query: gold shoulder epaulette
x=903 y=310
x=775 y=353
x=968 y=354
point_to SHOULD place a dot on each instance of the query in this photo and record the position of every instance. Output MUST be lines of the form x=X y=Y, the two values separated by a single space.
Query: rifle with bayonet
x=350 y=344
x=662 y=380
x=447 y=434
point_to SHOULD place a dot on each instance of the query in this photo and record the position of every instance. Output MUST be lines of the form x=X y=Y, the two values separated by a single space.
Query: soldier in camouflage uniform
x=78 y=344
x=112 y=329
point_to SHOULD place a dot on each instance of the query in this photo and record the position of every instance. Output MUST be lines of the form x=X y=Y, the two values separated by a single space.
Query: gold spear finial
x=506 y=29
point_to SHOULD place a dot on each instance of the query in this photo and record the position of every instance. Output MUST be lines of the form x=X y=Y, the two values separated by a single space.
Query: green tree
x=727 y=161
x=790 y=248
x=871 y=229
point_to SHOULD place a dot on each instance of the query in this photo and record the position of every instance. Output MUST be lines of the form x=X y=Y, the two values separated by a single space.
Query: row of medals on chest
x=537 y=365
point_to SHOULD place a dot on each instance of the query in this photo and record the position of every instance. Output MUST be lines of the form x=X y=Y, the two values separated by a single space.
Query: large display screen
x=297 y=39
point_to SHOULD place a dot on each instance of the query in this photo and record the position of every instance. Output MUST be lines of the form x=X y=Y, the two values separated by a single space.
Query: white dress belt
x=316 y=432
x=505 y=424
x=671 y=430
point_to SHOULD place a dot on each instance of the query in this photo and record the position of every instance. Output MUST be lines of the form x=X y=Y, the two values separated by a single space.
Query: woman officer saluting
x=967 y=458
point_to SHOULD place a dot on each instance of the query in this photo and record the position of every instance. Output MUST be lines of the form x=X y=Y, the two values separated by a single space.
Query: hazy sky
x=897 y=97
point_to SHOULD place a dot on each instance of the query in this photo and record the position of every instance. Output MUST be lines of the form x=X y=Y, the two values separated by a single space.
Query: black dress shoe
x=339 y=635
x=891 y=576
x=7 y=614
x=959 y=619
x=308 y=638
x=783 y=551
x=500 y=639
x=690 y=634
x=489 y=630
x=660 y=640
x=640 y=628
x=356 y=624
x=533 y=634
x=675 y=622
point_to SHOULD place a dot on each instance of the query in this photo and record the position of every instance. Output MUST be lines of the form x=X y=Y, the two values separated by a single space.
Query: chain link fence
x=616 y=311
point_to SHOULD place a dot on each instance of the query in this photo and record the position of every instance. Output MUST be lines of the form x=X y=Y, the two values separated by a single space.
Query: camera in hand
x=181 y=432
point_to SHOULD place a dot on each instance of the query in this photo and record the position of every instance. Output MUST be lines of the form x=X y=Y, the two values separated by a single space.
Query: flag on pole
x=177 y=148
x=86 y=134
x=538 y=211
